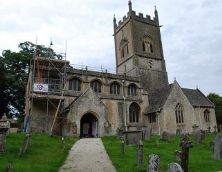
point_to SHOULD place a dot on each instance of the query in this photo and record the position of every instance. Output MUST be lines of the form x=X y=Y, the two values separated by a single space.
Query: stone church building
x=87 y=103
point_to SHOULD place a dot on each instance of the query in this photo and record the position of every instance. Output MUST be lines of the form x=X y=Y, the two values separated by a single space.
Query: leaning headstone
x=165 y=136
x=139 y=153
x=147 y=133
x=174 y=167
x=217 y=147
x=186 y=145
x=198 y=137
x=154 y=161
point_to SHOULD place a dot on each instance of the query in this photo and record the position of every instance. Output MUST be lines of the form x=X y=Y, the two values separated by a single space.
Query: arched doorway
x=89 y=126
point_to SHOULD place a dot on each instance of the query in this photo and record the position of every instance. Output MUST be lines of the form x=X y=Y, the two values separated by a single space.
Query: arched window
x=115 y=88
x=75 y=84
x=124 y=48
x=134 y=111
x=96 y=86
x=147 y=44
x=179 y=113
x=132 y=88
x=207 y=115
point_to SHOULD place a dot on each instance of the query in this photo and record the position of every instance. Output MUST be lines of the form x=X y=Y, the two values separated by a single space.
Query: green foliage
x=217 y=100
x=199 y=159
x=14 y=69
x=45 y=153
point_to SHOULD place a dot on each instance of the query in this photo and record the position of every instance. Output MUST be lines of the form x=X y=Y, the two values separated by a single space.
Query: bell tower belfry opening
x=138 y=49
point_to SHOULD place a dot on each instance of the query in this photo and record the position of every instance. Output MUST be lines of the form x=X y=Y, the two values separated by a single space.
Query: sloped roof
x=197 y=98
x=157 y=98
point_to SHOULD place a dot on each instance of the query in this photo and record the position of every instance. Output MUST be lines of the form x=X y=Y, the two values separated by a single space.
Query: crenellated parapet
x=132 y=15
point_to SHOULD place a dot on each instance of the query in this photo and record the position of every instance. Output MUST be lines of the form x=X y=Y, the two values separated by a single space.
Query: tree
x=217 y=100
x=14 y=69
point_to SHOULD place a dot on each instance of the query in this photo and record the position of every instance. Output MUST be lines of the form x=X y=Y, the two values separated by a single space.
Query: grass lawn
x=199 y=160
x=44 y=155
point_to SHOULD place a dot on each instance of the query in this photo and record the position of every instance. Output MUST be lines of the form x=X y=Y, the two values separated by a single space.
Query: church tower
x=138 y=49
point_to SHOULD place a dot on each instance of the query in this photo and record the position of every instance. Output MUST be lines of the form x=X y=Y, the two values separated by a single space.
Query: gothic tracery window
x=134 y=111
x=96 y=86
x=147 y=44
x=207 y=115
x=115 y=88
x=179 y=113
x=75 y=84
x=132 y=89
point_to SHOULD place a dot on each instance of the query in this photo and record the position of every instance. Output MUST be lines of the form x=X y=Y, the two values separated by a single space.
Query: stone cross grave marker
x=217 y=147
x=147 y=133
x=139 y=153
x=154 y=161
x=186 y=145
x=174 y=167
x=198 y=136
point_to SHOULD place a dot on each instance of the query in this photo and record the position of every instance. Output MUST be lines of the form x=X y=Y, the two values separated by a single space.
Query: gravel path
x=88 y=155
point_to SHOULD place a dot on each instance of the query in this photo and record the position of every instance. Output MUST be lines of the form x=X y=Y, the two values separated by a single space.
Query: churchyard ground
x=200 y=156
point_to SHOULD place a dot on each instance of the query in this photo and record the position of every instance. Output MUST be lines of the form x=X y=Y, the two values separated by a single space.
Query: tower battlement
x=137 y=17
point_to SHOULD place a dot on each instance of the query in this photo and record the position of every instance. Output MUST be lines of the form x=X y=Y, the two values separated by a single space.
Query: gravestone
x=178 y=155
x=203 y=134
x=147 y=133
x=139 y=153
x=215 y=129
x=165 y=136
x=9 y=167
x=186 y=145
x=133 y=137
x=122 y=148
x=208 y=129
x=178 y=131
x=157 y=143
x=217 y=147
x=154 y=161
x=174 y=167
x=198 y=136
x=4 y=127
x=2 y=143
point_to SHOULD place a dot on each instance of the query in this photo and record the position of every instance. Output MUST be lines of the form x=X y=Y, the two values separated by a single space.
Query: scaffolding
x=46 y=83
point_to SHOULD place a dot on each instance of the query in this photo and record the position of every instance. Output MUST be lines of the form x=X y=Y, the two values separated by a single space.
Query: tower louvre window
x=75 y=84
x=132 y=89
x=115 y=88
x=96 y=86
x=134 y=111
x=147 y=44
x=124 y=48
x=179 y=113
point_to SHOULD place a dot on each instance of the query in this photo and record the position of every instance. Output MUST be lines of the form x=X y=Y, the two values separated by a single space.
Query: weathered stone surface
x=2 y=143
x=174 y=167
x=139 y=153
x=147 y=133
x=154 y=161
x=132 y=137
x=198 y=136
x=217 y=147
x=165 y=136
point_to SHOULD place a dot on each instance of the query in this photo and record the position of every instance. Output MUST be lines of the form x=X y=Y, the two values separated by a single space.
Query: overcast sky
x=191 y=33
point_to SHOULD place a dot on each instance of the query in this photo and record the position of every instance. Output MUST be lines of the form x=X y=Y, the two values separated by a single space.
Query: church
x=65 y=100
